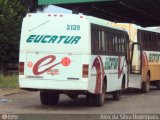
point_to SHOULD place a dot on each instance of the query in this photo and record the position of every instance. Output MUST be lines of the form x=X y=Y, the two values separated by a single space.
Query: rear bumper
x=53 y=85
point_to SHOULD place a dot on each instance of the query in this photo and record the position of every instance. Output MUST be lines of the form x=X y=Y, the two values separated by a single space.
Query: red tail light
x=85 y=71
x=21 y=68
x=81 y=16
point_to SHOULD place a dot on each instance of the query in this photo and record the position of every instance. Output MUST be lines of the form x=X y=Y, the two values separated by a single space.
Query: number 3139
x=73 y=27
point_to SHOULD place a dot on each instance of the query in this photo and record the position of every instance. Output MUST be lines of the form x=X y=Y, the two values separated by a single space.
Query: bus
x=144 y=57
x=74 y=55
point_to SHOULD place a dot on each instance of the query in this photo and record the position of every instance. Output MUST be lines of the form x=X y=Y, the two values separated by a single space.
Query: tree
x=11 y=14
x=32 y=5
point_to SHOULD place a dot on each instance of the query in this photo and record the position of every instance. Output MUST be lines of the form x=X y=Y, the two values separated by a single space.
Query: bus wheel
x=158 y=85
x=97 y=100
x=116 y=95
x=89 y=99
x=49 y=98
x=146 y=85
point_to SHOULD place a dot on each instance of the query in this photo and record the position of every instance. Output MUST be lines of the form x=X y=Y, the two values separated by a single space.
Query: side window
x=158 y=42
x=108 y=41
x=123 y=44
x=144 y=41
x=150 y=40
x=120 y=44
x=115 y=43
x=155 y=42
x=95 y=40
x=106 y=37
x=150 y=43
x=103 y=41
x=100 y=41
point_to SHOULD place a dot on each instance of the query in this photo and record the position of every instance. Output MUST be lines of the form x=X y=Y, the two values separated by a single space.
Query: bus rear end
x=54 y=55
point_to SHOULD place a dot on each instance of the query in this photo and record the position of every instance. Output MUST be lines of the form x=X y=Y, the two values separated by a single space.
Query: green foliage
x=11 y=14
x=10 y=81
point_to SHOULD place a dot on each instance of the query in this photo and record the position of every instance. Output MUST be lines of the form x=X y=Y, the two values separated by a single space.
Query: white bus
x=72 y=54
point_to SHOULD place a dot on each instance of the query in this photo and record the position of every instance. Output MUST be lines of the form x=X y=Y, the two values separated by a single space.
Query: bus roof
x=151 y=29
x=91 y=19
x=137 y=27
x=103 y=22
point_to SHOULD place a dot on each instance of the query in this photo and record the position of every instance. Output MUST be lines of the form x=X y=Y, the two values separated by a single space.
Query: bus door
x=135 y=77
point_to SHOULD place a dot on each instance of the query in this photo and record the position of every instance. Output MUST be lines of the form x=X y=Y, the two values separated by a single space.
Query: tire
x=158 y=85
x=116 y=95
x=44 y=98
x=123 y=85
x=49 y=98
x=89 y=99
x=146 y=85
x=96 y=100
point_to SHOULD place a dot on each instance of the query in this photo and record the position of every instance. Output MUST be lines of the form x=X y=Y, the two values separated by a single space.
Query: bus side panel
x=111 y=68
x=115 y=70
x=96 y=74
x=151 y=63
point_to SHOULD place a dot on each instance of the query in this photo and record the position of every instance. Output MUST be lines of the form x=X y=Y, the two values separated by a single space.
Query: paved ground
x=8 y=91
x=23 y=102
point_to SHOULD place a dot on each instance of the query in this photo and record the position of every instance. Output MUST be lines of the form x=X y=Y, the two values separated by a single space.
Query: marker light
x=30 y=64
x=66 y=61
x=29 y=15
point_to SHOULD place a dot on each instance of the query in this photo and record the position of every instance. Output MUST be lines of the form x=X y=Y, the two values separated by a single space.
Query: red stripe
x=98 y=64
x=144 y=59
x=120 y=70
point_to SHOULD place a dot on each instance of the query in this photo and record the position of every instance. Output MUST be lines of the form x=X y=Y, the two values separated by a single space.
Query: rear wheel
x=49 y=98
x=97 y=100
x=116 y=95
x=146 y=85
x=123 y=85
x=89 y=99
x=158 y=85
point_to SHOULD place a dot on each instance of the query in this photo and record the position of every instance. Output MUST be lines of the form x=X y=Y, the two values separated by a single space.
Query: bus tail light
x=21 y=68
x=49 y=15
x=85 y=71
x=81 y=16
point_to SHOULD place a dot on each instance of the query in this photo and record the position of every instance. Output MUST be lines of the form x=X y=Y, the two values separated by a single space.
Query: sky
x=55 y=9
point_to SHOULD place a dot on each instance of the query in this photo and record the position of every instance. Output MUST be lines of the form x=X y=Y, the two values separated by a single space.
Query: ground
x=132 y=102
